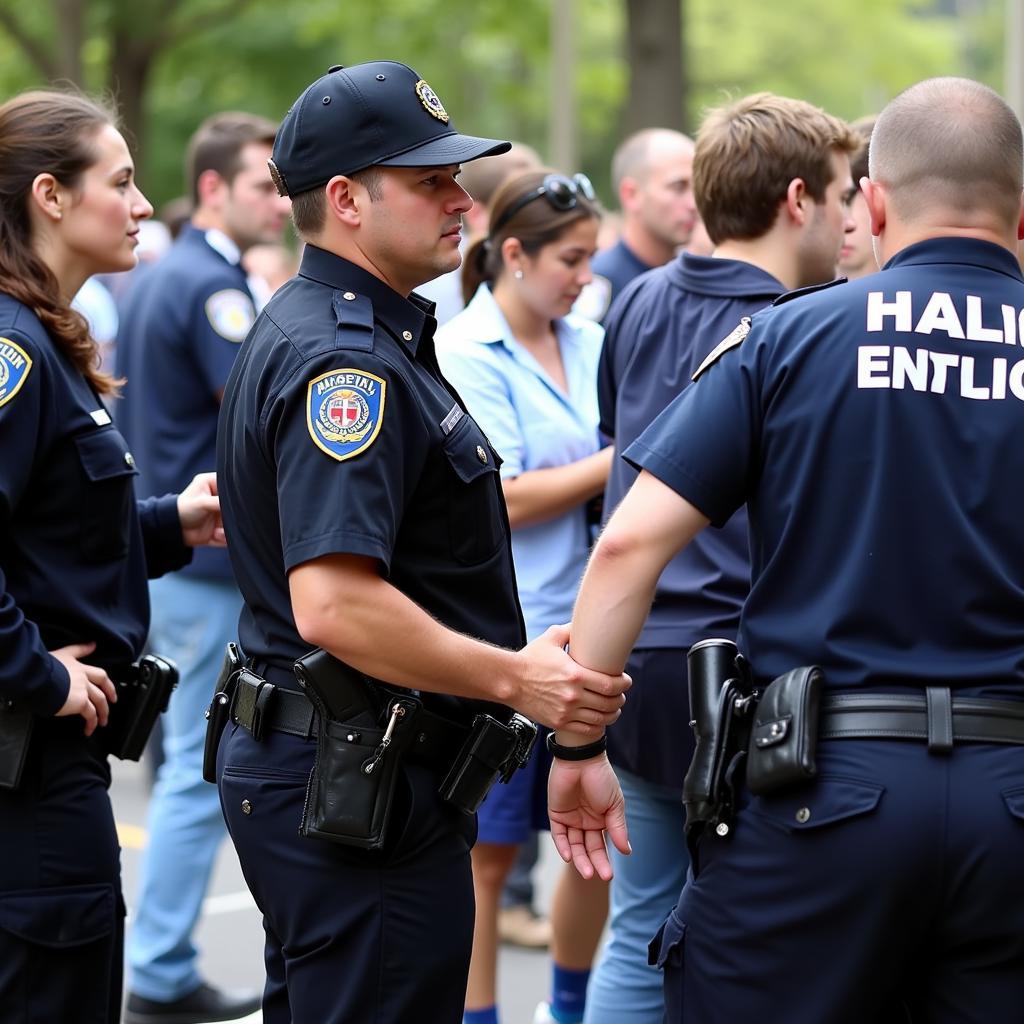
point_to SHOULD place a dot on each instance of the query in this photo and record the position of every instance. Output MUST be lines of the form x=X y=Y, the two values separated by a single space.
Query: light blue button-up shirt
x=532 y=424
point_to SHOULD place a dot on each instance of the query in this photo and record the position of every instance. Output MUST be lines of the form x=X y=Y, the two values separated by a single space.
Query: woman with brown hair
x=75 y=552
x=527 y=369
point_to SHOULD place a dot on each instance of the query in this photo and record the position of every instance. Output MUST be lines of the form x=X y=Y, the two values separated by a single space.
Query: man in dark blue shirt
x=652 y=174
x=181 y=328
x=873 y=430
x=366 y=517
x=778 y=223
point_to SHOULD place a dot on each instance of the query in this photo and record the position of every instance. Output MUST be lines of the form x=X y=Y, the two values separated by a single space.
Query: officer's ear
x=343 y=200
x=1020 y=221
x=49 y=198
x=874 y=196
x=629 y=189
x=209 y=187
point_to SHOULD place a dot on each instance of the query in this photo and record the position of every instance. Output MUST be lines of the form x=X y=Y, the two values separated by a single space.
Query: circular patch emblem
x=431 y=103
x=231 y=314
x=344 y=411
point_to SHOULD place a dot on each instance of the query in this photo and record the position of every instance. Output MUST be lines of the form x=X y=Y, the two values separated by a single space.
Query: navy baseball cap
x=378 y=113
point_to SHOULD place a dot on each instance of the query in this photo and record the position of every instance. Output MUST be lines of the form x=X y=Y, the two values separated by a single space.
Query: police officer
x=873 y=428
x=74 y=558
x=365 y=508
x=181 y=327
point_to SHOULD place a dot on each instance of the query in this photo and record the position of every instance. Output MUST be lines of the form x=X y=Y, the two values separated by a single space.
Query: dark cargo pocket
x=57 y=951
x=666 y=948
x=475 y=519
x=826 y=801
x=1014 y=800
x=108 y=495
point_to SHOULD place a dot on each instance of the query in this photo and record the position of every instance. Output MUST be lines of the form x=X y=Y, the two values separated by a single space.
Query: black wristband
x=588 y=750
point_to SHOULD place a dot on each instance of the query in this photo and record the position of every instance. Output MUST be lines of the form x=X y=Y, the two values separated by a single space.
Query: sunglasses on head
x=562 y=194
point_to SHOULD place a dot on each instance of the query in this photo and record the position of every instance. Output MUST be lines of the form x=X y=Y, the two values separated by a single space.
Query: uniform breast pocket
x=476 y=520
x=107 y=494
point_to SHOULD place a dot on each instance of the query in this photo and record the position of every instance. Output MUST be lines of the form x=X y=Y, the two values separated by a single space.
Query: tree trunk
x=657 y=77
x=130 y=66
x=69 y=16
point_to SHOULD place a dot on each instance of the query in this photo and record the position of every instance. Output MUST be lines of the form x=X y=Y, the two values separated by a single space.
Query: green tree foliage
x=487 y=59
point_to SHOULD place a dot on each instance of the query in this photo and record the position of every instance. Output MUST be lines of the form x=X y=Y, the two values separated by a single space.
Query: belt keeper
x=939 y=700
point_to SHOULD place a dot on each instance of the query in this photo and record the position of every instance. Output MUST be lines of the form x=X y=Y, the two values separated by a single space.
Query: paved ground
x=231 y=937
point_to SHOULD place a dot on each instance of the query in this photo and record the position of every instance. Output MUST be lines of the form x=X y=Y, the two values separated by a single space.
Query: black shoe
x=203 y=1006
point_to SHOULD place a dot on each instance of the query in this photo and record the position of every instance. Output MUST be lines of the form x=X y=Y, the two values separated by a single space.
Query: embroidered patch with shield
x=430 y=101
x=231 y=313
x=344 y=411
x=15 y=364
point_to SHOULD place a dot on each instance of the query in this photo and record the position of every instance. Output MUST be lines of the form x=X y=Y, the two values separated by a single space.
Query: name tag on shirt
x=448 y=423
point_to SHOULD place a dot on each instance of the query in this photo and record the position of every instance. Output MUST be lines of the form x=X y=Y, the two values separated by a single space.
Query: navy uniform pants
x=352 y=936
x=61 y=911
x=892 y=883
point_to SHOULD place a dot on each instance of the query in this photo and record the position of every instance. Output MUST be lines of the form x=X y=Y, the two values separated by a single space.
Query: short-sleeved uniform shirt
x=659 y=331
x=182 y=325
x=532 y=424
x=75 y=548
x=339 y=435
x=874 y=430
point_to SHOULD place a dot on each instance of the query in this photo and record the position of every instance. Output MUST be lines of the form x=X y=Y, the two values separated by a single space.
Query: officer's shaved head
x=951 y=145
x=636 y=154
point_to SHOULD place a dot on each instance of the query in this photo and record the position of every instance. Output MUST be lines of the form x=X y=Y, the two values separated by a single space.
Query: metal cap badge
x=378 y=113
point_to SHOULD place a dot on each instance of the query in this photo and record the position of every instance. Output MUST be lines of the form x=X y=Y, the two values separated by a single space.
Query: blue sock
x=568 y=994
x=487 y=1015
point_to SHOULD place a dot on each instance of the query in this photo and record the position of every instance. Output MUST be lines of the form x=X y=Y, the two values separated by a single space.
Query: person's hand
x=199 y=512
x=561 y=694
x=584 y=803
x=91 y=688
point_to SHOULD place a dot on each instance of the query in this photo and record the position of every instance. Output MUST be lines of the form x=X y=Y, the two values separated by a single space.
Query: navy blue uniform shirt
x=181 y=327
x=874 y=430
x=659 y=330
x=75 y=548
x=339 y=435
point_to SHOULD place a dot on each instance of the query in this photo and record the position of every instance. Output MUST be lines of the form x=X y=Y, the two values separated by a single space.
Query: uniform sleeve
x=618 y=345
x=224 y=312
x=349 y=442
x=27 y=671
x=161 y=536
x=485 y=390
x=705 y=444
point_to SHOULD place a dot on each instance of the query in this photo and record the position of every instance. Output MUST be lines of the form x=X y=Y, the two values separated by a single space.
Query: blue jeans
x=193 y=619
x=624 y=989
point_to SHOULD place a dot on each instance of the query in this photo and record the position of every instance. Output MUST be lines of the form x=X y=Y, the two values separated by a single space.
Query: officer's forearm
x=342 y=604
x=650 y=526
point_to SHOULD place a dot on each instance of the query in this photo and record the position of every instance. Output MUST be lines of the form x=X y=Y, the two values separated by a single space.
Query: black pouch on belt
x=352 y=785
x=15 y=734
x=784 y=736
x=220 y=708
x=140 y=699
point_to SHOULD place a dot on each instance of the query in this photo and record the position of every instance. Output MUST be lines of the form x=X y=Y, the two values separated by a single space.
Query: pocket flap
x=470 y=455
x=59 y=918
x=667 y=942
x=1014 y=799
x=104 y=455
x=829 y=799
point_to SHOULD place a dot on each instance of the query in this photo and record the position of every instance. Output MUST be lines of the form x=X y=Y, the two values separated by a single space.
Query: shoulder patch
x=231 y=313
x=809 y=290
x=15 y=366
x=734 y=339
x=344 y=411
x=594 y=300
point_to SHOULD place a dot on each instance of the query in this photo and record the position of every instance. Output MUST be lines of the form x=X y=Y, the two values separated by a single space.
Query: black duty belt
x=436 y=739
x=938 y=717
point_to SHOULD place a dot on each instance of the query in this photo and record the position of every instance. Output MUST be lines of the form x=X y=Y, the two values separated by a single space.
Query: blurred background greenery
x=570 y=77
